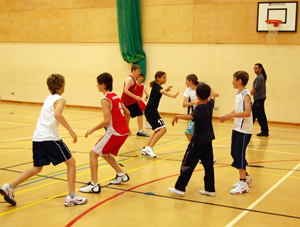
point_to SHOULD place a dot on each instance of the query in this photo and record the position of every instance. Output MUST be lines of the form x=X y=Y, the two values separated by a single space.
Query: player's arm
x=59 y=108
x=127 y=116
x=128 y=83
x=147 y=95
x=186 y=102
x=106 y=115
x=183 y=117
x=166 y=93
x=246 y=113
x=253 y=91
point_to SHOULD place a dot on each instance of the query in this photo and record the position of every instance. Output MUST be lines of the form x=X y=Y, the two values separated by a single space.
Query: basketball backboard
x=284 y=11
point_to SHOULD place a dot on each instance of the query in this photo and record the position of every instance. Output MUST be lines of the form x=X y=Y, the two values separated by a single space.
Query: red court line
x=110 y=198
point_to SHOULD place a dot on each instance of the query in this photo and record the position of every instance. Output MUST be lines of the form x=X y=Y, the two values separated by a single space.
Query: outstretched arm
x=106 y=115
x=166 y=93
x=59 y=108
x=183 y=117
x=246 y=113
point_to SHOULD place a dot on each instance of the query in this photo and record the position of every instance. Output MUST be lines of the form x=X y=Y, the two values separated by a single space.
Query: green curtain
x=130 y=33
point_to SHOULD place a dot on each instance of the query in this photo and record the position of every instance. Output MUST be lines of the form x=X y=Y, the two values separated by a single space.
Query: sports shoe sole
x=239 y=193
x=6 y=198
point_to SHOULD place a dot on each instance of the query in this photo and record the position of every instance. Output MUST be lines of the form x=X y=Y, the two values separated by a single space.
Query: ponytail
x=152 y=83
x=263 y=72
x=158 y=74
x=193 y=78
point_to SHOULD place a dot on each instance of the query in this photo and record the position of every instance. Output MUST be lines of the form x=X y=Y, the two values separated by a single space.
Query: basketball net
x=273 y=26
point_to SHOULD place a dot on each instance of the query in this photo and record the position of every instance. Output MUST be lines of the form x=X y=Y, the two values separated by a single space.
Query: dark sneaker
x=142 y=133
x=263 y=134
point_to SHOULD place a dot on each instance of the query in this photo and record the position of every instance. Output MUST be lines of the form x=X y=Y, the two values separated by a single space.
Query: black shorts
x=55 y=151
x=239 y=143
x=155 y=120
x=135 y=110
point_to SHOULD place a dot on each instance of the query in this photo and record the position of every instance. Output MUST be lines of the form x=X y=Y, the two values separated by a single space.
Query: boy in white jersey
x=47 y=144
x=242 y=130
x=116 y=116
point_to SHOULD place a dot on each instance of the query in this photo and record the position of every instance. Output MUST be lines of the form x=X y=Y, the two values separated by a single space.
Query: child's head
x=243 y=76
x=135 y=70
x=192 y=78
x=106 y=78
x=158 y=76
x=203 y=91
x=140 y=78
x=55 y=83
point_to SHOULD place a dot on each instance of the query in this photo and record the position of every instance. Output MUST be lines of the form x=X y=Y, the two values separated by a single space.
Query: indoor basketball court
x=81 y=39
x=145 y=200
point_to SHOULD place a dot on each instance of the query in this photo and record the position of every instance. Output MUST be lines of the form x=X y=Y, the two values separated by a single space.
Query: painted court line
x=234 y=221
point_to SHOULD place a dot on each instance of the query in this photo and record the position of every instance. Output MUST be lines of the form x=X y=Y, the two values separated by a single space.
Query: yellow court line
x=99 y=181
x=28 y=205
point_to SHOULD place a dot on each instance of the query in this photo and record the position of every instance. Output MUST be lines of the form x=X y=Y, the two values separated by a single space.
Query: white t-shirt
x=244 y=125
x=46 y=128
x=190 y=93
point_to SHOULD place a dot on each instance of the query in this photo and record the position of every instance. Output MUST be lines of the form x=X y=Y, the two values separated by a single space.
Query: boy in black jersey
x=200 y=147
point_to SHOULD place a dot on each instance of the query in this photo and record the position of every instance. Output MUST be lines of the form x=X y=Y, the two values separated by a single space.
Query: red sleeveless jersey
x=117 y=124
x=126 y=99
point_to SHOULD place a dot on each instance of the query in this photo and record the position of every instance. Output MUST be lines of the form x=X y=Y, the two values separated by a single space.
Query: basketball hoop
x=273 y=26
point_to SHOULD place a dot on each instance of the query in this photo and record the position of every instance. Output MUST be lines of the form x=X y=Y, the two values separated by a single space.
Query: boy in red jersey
x=116 y=116
x=140 y=90
x=130 y=99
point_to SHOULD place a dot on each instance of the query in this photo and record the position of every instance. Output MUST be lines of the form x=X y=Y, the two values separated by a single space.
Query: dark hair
x=263 y=72
x=158 y=74
x=203 y=91
x=141 y=74
x=55 y=82
x=193 y=78
x=106 y=78
x=244 y=76
x=135 y=67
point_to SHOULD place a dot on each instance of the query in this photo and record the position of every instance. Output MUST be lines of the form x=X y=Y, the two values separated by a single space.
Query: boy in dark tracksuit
x=200 y=147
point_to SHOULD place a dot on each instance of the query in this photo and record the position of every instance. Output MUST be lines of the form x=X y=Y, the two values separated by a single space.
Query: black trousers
x=193 y=154
x=258 y=112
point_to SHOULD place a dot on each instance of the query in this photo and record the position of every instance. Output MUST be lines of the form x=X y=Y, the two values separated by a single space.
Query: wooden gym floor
x=274 y=163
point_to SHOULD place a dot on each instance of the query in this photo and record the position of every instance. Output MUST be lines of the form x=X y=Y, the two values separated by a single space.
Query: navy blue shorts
x=239 y=143
x=135 y=110
x=53 y=151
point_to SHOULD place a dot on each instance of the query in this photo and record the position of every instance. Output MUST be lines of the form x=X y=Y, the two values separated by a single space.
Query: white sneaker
x=8 y=194
x=175 y=191
x=248 y=180
x=203 y=192
x=120 y=177
x=241 y=188
x=91 y=187
x=77 y=200
x=148 y=151
x=147 y=125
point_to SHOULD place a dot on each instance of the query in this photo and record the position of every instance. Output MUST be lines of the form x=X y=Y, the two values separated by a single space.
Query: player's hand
x=74 y=136
x=130 y=133
x=175 y=120
x=89 y=132
x=176 y=94
x=224 y=118
x=169 y=88
x=139 y=99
